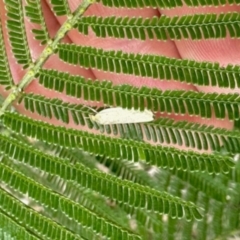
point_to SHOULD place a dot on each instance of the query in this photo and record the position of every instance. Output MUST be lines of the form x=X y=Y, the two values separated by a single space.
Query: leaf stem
x=47 y=52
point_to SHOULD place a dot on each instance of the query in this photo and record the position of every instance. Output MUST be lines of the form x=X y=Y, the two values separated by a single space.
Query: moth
x=118 y=115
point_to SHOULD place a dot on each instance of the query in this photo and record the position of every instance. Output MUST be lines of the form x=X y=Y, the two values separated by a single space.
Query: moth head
x=92 y=118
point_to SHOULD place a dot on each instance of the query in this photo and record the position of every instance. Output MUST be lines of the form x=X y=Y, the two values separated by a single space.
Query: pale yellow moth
x=118 y=115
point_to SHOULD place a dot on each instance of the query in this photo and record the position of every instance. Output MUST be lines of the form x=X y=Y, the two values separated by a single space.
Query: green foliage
x=177 y=102
x=5 y=74
x=165 y=157
x=163 y=130
x=17 y=33
x=35 y=14
x=84 y=180
x=13 y=207
x=164 y=3
x=158 y=67
x=12 y=230
x=184 y=27
x=60 y=7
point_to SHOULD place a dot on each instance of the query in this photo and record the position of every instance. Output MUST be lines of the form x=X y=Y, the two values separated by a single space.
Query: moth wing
x=104 y=117
x=138 y=116
x=119 y=115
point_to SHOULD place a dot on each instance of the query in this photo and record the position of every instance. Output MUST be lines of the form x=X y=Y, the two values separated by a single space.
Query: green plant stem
x=47 y=52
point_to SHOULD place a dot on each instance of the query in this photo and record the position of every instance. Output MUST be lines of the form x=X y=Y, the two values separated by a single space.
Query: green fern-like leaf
x=60 y=7
x=164 y=179
x=189 y=26
x=81 y=174
x=154 y=66
x=37 y=17
x=12 y=230
x=17 y=33
x=5 y=74
x=83 y=217
x=179 y=102
x=119 y=149
x=162 y=131
x=15 y=209
x=165 y=3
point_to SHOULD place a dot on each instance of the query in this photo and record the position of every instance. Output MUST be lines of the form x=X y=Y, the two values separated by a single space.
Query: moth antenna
x=92 y=109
